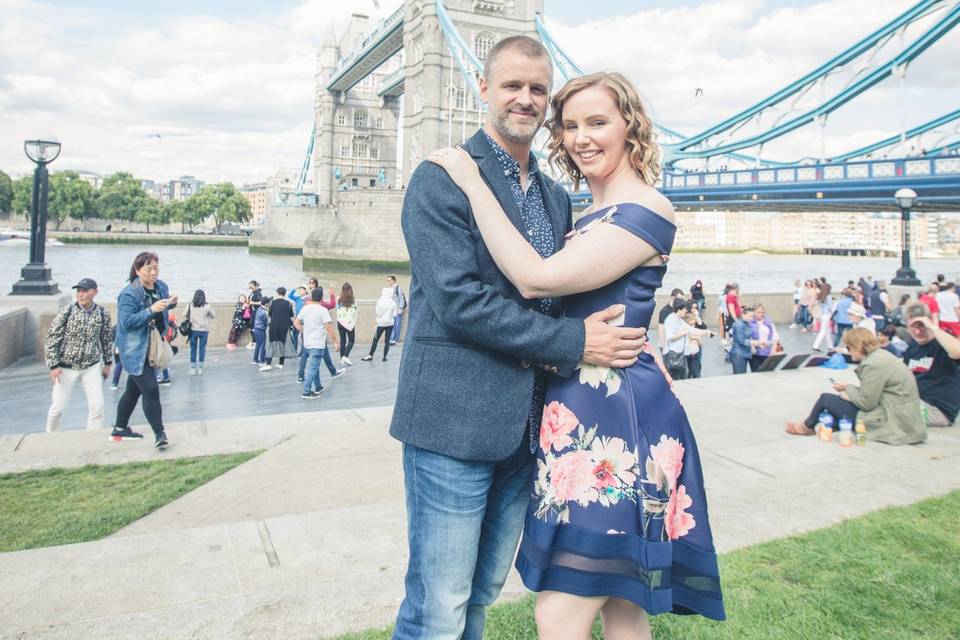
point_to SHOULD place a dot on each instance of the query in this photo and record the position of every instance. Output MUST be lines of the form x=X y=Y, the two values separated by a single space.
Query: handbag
x=159 y=351
x=676 y=363
x=186 y=328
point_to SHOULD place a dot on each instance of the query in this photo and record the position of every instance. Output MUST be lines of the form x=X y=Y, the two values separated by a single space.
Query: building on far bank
x=180 y=188
x=256 y=194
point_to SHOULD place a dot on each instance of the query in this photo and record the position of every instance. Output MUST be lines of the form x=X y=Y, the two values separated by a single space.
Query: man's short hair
x=679 y=305
x=917 y=310
x=676 y=292
x=524 y=44
x=317 y=295
x=281 y=291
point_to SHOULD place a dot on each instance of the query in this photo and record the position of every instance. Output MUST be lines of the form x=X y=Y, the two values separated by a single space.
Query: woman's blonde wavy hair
x=643 y=152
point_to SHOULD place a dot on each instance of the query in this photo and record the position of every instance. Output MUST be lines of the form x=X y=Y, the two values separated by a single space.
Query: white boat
x=18 y=238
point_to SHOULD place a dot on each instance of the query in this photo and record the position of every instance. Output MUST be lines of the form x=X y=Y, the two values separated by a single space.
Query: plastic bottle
x=861 y=430
x=845 y=437
x=825 y=426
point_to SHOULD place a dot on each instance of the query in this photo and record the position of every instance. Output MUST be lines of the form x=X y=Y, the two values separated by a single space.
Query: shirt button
x=524 y=364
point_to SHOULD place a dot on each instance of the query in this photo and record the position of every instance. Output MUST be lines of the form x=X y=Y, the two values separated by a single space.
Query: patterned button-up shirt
x=538 y=231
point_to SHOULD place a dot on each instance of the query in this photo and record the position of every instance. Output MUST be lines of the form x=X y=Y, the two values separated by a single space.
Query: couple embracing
x=527 y=403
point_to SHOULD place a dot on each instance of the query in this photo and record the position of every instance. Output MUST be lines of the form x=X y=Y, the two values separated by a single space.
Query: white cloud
x=234 y=97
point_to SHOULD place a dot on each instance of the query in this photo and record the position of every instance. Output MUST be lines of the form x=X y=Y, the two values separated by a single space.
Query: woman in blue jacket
x=142 y=306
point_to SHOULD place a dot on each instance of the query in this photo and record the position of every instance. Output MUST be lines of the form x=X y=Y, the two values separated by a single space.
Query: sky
x=223 y=89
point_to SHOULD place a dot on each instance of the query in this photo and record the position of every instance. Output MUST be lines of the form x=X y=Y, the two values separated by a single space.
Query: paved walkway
x=308 y=539
x=230 y=387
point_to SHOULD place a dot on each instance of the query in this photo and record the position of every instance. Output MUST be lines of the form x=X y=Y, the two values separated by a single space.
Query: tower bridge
x=387 y=93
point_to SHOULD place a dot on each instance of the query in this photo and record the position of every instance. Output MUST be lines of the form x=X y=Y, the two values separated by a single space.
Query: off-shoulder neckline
x=632 y=204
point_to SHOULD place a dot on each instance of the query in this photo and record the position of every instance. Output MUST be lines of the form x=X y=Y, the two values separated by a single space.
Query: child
x=241 y=313
x=260 y=332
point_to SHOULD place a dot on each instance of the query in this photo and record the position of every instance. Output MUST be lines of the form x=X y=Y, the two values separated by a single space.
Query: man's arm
x=55 y=334
x=443 y=258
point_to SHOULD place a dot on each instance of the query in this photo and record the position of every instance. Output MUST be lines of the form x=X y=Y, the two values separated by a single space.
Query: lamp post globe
x=906 y=276
x=36 y=277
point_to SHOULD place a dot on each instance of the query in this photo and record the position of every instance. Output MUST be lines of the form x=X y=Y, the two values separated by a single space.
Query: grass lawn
x=890 y=575
x=62 y=506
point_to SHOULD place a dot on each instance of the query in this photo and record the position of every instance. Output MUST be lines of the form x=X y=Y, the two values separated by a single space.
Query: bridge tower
x=356 y=130
x=439 y=108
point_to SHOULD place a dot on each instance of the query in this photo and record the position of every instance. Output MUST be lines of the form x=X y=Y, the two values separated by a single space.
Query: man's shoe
x=384 y=358
x=339 y=373
x=161 y=441
x=312 y=395
x=125 y=434
x=345 y=360
x=393 y=342
x=164 y=382
x=193 y=371
x=367 y=358
x=265 y=367
x=301 y=380
x=250 y=345
x=279 y=366
x=199 y=371
x=113 y=387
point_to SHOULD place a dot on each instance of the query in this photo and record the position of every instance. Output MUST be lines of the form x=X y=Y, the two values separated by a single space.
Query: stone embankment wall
x=14 y=322
x=363 y=225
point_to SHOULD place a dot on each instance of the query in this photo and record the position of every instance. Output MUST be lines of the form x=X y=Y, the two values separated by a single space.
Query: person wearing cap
x=79 y=347
x=858 y=316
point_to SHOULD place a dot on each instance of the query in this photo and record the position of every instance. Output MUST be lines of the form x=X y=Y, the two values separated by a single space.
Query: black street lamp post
x=36 y=277
x=906 y=276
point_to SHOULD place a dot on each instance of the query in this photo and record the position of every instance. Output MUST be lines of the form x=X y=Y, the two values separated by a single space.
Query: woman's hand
x=159 y=305
x=459 y=166
x=839 y=387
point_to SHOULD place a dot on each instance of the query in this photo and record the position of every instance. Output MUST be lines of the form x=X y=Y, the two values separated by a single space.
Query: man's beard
x=516 y=135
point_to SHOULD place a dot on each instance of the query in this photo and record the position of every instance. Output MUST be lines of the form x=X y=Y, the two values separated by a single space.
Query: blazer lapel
x=492 y=172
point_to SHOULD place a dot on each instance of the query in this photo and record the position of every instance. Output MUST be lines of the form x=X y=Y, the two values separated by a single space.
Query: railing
x=852 y=171
x=385 y=25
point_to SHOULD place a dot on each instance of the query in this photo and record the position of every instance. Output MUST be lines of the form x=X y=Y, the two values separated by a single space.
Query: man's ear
x=483 y=88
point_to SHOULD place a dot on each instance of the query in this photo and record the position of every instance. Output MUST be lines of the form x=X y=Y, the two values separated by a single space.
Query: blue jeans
x=464 y=520
x=311 y=381
x=260 y=345
x=327 y=361
x=198 y=343
x=739 y=363
x=397 y=322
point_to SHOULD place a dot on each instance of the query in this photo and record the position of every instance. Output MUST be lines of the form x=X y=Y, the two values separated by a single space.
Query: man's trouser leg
x=62 y=390
x=92 y=380
x=464 y=520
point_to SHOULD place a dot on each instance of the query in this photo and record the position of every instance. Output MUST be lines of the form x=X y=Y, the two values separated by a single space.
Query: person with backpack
x=386 y=312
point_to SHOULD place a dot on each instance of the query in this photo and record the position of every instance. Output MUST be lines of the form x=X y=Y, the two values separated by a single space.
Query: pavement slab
x=308 y=539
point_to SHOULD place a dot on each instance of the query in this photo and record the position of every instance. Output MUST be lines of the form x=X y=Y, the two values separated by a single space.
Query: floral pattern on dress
x=585 y=468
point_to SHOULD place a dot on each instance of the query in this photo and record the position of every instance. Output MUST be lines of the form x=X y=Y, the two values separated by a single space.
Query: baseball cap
x=85 y=283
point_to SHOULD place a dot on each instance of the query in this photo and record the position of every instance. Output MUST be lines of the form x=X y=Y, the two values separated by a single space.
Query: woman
x=696 y=294
x=241 y=314
x=199 y=315
x=742 y=344
x=142 y=307
x=887 y=398
x=280 y=312
x=386 y=313
x=590 y=484
x=807 y=299
x=696 y=332
x=676 y=329
x=827 y=306
x=346 y=322
x=765 y=336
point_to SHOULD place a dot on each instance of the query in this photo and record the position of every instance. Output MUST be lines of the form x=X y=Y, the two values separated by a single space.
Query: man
x=472 y=375
x=78 y=347
x=949 y=304
x=401 y=301
x=880 y=304
x=732 y=305
x=842 y=317
x=315 y=325
x=665 y=312
x=933 y=355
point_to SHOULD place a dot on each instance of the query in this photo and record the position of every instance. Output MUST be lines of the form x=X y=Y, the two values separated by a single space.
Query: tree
x=6 y=192
x=222 y=202
x=22 y=196
x=121 y=197
x=69 y=197
x=152 y=212
x=188 y=212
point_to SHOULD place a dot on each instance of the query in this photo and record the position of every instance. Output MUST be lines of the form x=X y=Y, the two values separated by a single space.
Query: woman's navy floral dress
x=618 y=507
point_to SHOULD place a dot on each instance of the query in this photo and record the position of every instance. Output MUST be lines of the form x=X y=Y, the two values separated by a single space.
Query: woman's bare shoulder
x=655 y=201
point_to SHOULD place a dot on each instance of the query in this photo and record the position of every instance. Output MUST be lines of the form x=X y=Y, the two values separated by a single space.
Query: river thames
x=223 y=272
